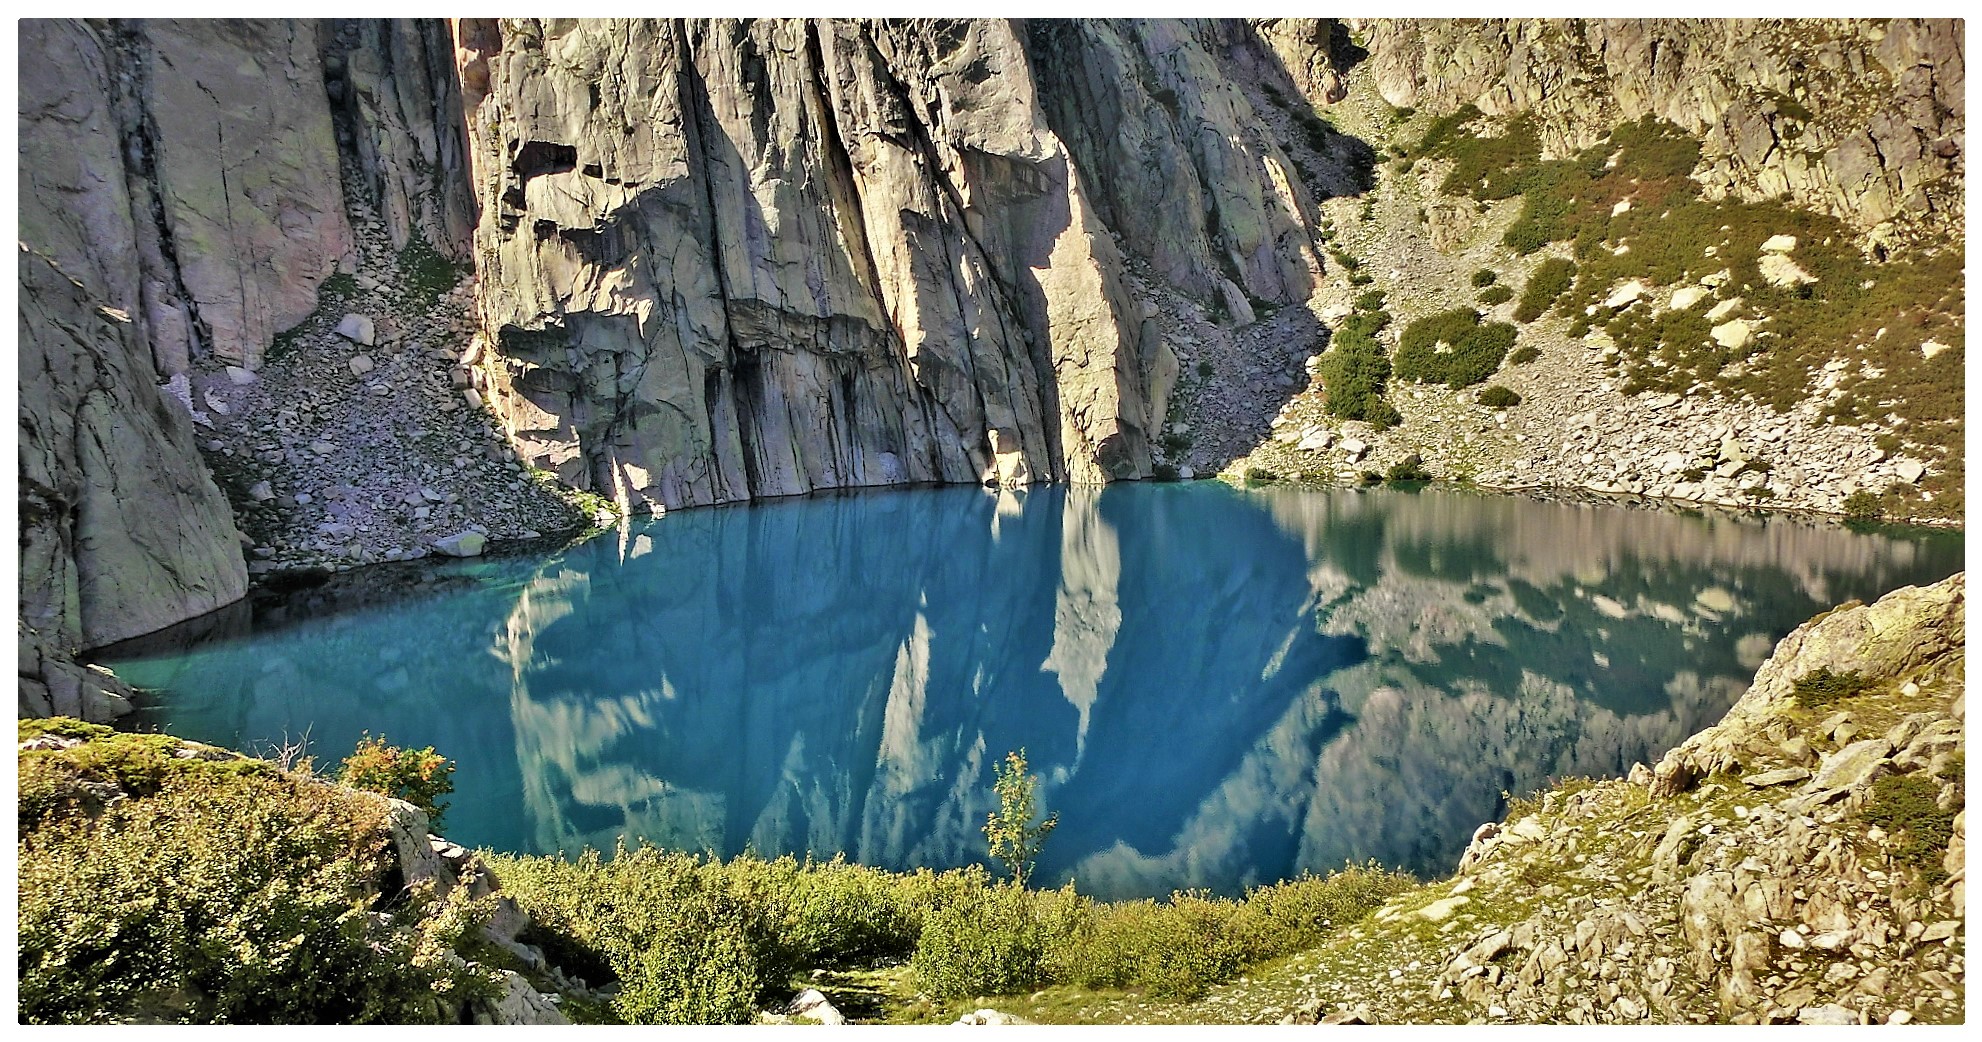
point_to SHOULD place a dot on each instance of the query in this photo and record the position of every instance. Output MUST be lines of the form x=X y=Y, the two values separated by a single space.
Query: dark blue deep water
x=1218 y=687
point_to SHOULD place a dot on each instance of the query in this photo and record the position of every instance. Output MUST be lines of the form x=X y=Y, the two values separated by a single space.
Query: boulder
x=1626 y=294
x=813 y=1004
x=520 y=1003
x=1685 y=297
x=358 y=329
x=1732 y=334
x=1782 y=272
x=1853 y=766
x=462 y=544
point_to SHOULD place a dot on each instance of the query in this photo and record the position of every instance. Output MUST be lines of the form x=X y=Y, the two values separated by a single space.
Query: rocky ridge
x=1859 y=118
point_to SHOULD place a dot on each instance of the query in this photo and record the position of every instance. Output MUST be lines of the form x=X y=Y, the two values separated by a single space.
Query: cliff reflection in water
x=1218 y=687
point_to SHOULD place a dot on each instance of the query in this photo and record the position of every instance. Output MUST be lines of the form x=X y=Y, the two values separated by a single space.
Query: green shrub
x=1498 y=397
x=1496 y=295
x=1262 y=475
x=1821 y=687
x=421 y=777
x=1550 y=278
x=1410 y=468
x=209 y=893
x=1355 y=371
x=1524 y=354
x=1908 y=807
x=1862 y=506
x=1015 y=832
x=1370 y=300
x=991 y=942
x=1453 y=348
x=1485 y=277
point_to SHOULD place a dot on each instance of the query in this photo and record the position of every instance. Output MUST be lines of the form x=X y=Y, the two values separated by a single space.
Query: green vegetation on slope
x=1628 y=210
x=1355 y=369
x=161 y=881
x=702 y=940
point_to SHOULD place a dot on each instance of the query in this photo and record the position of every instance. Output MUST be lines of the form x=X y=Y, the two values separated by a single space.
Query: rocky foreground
x=1796 y=863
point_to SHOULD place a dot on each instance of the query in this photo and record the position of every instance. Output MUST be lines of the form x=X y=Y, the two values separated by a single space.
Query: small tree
x=1010 y=831
x=418 y=776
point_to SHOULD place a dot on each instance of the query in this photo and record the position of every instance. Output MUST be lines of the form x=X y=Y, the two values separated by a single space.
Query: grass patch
x=425 y=275
x=1498 y=397
x=1493 y=295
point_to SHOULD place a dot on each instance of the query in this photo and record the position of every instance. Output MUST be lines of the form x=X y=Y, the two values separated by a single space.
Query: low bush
x=421 y=777
x=990 y=942
x=1820 y=687
x=1410 y=468
x=1550 y=278
x=1862 y=506
x=1496 y=295
x=1908 y=807
x=189 y=890
x=1485 y=277
x=1524 y=354
x=1453 y=348
x=1498 y=397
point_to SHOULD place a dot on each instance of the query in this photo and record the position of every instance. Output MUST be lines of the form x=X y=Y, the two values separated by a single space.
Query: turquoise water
x=1218 y=687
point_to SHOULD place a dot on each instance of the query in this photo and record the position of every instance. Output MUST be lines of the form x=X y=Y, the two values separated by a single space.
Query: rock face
x=122 y=529
x=842 y=253
x=1863 y=119
x=203 y=165
x=197 y=164
x=393 y=79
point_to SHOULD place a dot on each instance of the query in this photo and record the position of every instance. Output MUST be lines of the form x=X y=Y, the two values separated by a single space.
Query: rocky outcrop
x=1783 y=890
x=725 y=259
x=189 y=171
x=1862 y=118
x=122 y=530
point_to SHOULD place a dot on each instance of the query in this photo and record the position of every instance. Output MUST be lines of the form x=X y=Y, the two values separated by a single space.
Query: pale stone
x=1732 y=334
x=1783 y=272
x=1625 y=294
x=1441 y=909
x=1686 y=296
x=359 y=329
x=814 y=1005
x=1723 y=309
x=1779 y=244
x=462 y=544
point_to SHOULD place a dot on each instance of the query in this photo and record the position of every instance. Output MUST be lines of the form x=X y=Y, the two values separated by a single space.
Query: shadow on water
x=1218 y=687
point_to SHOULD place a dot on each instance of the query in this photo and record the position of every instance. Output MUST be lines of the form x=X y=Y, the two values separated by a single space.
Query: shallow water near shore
x=1218 y=686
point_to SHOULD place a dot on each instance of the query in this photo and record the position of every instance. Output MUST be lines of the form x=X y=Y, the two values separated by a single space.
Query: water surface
x=1219 y=687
